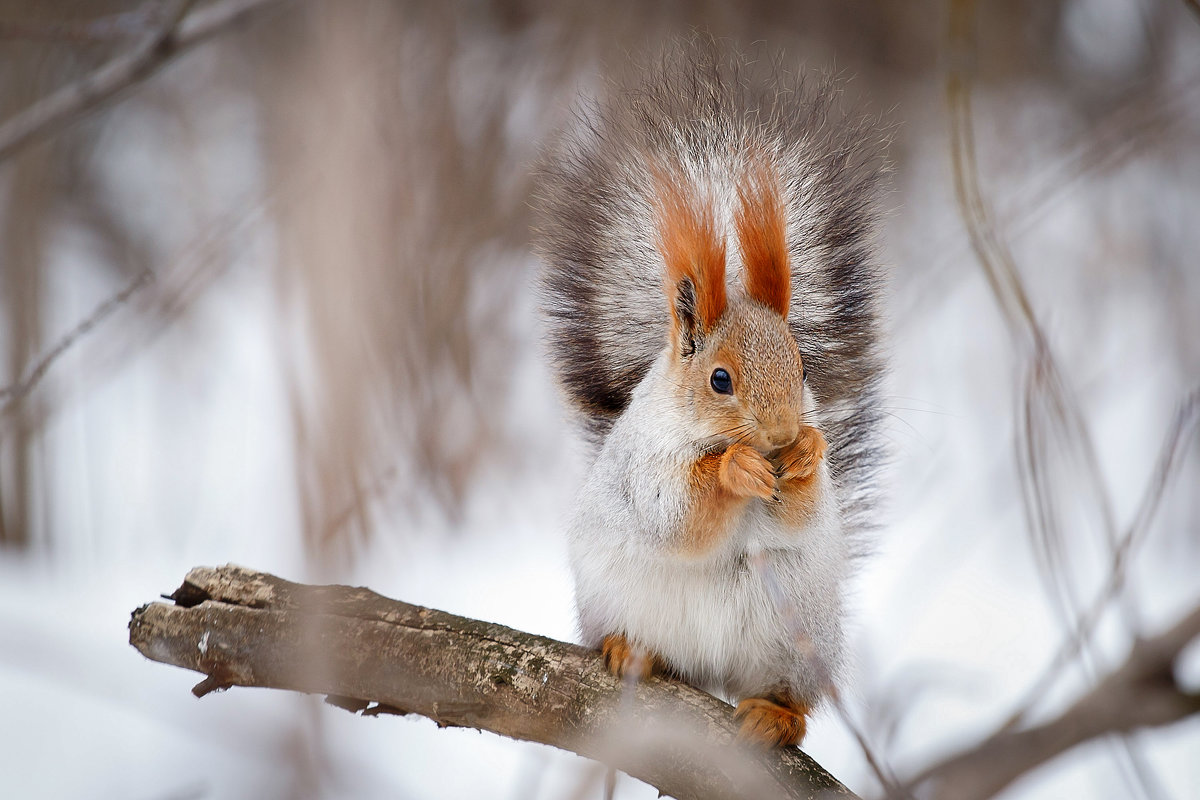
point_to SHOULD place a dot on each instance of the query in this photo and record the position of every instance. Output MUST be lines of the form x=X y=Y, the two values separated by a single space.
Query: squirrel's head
x=736 y=365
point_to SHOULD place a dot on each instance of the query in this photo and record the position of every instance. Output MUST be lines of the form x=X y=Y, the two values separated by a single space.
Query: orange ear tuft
x=762 y=234
x=692 y=250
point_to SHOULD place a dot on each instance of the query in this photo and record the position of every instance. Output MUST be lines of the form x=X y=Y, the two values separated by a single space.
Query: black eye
x=804 y=374
x=721 y=382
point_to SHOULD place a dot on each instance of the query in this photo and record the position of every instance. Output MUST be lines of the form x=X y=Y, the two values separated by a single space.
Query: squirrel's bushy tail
x=713 y=116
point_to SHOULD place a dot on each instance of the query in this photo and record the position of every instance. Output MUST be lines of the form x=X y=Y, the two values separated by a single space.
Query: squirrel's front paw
x=800 y=459
x=745 y=472
x=772 y=722
x=623 y=658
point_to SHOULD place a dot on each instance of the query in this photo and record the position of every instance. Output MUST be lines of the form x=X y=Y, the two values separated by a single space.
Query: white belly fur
x=714 y=619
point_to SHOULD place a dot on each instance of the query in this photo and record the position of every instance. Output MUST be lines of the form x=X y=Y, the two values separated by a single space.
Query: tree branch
x=175 y=35
x=120 y=25
x=14 y=393
x=245 y=628
x=1141 y=693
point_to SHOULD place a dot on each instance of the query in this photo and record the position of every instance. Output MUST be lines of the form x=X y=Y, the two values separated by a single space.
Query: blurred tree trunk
x=23 y=240
x=28 y=186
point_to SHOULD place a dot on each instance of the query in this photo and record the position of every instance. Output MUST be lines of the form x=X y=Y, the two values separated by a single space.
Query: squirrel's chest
x=712 y=619
x=647 y=582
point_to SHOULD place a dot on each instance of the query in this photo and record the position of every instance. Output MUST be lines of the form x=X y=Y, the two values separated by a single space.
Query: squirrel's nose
x=783 y=434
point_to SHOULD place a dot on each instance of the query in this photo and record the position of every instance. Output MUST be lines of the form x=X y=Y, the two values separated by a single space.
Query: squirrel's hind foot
x=625 y=659
x=772 y=722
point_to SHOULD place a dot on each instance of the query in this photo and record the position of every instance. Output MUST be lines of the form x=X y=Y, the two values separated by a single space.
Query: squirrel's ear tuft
x=762 y=235
x=694 y=255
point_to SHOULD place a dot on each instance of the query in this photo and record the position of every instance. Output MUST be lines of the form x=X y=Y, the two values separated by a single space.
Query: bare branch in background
x=994 y=258
x=245 y=628
x=139 y=22
x=1050 y=414
x=10 y=395
x=1141 y=693
x=1125 y=133
x=159 y=298
x=1049 y=409
x=1168 y=463
x=175 y=35
x=1048 y=398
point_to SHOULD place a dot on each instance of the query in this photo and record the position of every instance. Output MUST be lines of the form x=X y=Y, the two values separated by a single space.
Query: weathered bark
x=245 y=628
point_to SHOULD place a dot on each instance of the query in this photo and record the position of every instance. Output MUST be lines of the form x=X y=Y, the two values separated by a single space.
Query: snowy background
x=328 y=367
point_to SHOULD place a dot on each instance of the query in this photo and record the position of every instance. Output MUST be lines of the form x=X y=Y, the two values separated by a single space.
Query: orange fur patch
x=622 y=658
x=721 y=483
x=710 y=515
x=797 y=464
x=799 y=460
x=746 y=473
x=691 y=248
x=762 y=235
x=776 y=721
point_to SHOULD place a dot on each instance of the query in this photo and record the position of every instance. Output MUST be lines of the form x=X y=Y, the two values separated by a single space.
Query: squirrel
x=710 y=294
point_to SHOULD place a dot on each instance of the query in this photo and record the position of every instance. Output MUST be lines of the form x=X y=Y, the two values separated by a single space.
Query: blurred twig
x=1050 y=409
x=883 y=772
x=1129 y=131
x=1047 y=399
x=174 y=36
x=1184 y=421
x=245 y=628
x=165 y=293
x=138 y=22
x=1141 y=693
x=14 y=393
x=998 y=267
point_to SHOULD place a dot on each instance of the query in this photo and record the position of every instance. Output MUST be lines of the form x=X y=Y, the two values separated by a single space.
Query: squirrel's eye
x=721 y=382
x=804 y=374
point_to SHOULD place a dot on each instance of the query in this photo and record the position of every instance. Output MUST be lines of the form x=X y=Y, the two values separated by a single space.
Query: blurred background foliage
x=286 y=281
x=381 y=157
